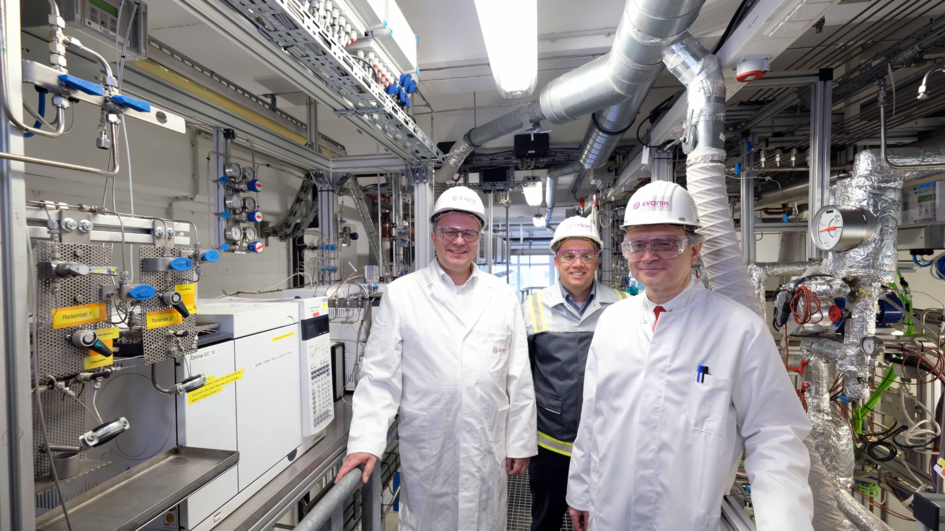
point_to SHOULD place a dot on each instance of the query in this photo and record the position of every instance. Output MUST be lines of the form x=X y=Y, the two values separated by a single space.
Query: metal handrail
x=331 y=501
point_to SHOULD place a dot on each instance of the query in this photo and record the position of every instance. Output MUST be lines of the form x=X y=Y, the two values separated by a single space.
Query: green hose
x=860 y=413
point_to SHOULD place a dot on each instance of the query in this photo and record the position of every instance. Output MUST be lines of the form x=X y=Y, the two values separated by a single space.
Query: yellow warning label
x=163 y=318
x=325 y=305
x=213 y=386
x=107 y=333
x=283 y=336
x=96 y=360
x=78 y=315
x=113 y=271
x=188 y=294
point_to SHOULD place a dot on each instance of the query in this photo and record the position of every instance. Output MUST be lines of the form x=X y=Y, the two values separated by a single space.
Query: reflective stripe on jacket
x=558 y=340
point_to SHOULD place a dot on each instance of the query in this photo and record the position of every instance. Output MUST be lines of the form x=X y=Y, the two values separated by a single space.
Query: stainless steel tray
x=137 y=496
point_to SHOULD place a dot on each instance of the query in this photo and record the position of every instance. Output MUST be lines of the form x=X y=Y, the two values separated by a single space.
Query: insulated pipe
x=549 y=199
x=701 y=73
x=704 y=141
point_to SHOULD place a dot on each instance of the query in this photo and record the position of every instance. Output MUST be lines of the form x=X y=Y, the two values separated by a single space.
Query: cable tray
x=290 y=28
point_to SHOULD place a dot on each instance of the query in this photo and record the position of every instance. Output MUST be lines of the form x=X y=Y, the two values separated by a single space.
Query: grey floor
x=519 y=515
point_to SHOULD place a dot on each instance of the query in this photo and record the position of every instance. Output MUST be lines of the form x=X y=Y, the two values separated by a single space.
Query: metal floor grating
x=520 y=506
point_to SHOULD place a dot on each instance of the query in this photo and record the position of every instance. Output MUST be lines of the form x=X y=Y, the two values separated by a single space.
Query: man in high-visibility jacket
x=560 y=322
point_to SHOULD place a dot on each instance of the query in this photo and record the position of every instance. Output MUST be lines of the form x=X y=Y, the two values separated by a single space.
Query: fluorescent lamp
x=510 y=29
x=532 y=193
x=539 y=220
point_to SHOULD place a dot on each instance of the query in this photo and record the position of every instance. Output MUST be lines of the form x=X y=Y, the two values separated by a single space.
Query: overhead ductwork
x=612 y=86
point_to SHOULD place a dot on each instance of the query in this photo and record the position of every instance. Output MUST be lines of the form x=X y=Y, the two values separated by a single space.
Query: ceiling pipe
x=627 y=72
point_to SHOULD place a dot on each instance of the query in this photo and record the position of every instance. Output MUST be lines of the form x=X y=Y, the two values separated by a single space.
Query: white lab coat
x=656 y=449
x=461 y=379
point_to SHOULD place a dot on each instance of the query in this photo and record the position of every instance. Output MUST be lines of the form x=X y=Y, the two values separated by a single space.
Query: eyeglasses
x=663 y=248
x=569 y=255
x=449 y=234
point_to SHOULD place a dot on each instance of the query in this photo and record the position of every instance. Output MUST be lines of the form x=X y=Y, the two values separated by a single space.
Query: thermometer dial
x=841 y=228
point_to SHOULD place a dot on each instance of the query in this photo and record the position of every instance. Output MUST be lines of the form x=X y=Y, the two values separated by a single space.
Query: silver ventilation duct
x=626 y=73
x=704 y=142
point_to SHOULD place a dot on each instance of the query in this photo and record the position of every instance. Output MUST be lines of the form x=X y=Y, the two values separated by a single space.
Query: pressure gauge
x=249 y=173
x=841 y=228
x=234 y=202
x=250 y=233
x=249 y=203
x=233 y=233
x=231 y=170
x=871 y=345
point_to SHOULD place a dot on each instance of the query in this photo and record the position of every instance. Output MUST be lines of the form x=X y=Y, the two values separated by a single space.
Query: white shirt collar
x=678 y=301
x=448 y=282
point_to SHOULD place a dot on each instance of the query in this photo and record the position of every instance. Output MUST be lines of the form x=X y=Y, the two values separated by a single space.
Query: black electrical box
x=532 y=145
x=494 y=175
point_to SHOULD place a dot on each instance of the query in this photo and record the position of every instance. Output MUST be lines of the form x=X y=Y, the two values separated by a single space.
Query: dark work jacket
x=558 y=341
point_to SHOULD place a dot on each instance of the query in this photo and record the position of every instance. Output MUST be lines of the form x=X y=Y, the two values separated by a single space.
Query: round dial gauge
x=234 y=202
x=250 y=233
x=249 y=203
x=840 y=228
x=249 y=173
x=233 y=233
x=871 y=345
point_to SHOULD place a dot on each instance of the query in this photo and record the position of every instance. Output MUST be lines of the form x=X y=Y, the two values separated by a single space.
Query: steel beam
x=819 y=153
x=17 y=509
x=748 y=142
x=422 y=208
x=368 y=164
x=661 y=165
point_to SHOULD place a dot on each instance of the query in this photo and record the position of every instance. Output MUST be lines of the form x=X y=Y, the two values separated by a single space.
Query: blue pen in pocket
x=699 y=374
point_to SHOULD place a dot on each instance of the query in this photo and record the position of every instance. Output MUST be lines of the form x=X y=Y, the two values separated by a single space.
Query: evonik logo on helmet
x=651 y=203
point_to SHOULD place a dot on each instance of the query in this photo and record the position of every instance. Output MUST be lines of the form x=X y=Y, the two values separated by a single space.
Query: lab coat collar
x=447 y=282
x=679 y=301
x=438 y=287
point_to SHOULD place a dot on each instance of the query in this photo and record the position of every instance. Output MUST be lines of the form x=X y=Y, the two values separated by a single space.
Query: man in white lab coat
x=678 y=384
x=448 y=350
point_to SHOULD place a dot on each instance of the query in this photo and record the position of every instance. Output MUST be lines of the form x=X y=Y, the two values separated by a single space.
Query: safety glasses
x=449 y=234
x=570 y=255
x=662 y=248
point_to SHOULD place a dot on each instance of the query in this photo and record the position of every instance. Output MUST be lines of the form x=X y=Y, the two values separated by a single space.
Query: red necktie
x=657 y=311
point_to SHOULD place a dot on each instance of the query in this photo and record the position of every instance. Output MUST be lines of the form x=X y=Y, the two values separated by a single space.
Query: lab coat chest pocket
x=494 y=357
x=709 y=400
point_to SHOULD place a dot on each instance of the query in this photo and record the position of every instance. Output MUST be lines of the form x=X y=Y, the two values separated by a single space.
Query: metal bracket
x=75 y=227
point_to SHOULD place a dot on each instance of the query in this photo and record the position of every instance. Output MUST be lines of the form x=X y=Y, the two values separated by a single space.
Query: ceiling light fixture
x=532 y=193
x=539 y=220
x=510 y=29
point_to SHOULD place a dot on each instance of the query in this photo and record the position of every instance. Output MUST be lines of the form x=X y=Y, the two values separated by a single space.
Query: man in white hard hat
x=560 y=321
x=448 y=350
x=679 y=384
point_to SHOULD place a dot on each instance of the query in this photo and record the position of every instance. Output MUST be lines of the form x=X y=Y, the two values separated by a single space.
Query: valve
x=255 y=247
x=103 y=433
x=89 y=339
x=254 y=217
x=174 y=300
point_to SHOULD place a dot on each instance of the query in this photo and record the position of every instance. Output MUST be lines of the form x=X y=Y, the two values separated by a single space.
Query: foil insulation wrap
x=701 y=73
x=831 y=435
x=454 y=159
x=877 y=187
x=857 y=514
x=854 y=363
x=760 y=271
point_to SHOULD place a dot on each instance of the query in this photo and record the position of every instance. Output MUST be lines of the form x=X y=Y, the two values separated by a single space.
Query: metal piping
x=549 y=199
x=627 y=72
x=704 y=140
x=701 y=73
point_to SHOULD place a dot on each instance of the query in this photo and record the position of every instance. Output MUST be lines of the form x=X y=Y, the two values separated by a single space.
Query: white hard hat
x=661 y=203
x=459 y=199
x=576 y=227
